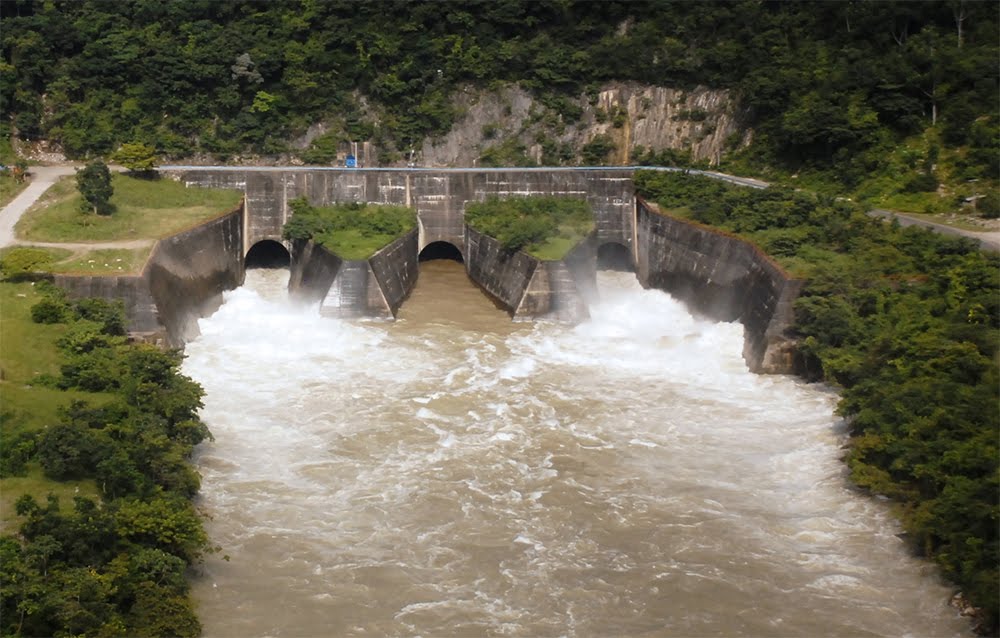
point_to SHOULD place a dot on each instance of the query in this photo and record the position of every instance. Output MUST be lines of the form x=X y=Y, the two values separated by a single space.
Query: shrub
x=921 y=183
x=596 y=151
x=49 y=311
x=528 y=222
x=989 y=205
x=23 y=260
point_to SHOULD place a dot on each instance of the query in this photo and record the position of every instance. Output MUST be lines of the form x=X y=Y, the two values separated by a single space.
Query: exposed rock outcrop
x=632 y=116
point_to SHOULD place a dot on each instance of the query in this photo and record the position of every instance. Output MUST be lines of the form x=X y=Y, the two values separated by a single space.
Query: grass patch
x=544 y=227
x=102 y=261
x=144 y=209
x=352 y=231
x=35 y=484
x=27 y=351
x=9 y=188
x=105 y=261
x=22 y=259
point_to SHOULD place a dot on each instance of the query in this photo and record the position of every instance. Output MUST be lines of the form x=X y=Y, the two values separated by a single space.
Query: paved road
x=42 y=177
x=988 y=240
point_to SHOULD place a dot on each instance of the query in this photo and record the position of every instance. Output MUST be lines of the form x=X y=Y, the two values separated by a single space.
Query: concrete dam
x=717 y=275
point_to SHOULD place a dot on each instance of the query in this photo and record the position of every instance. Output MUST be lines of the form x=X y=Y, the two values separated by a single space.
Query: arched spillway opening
x=614 y=256
x=268 y=254
x=441 y=250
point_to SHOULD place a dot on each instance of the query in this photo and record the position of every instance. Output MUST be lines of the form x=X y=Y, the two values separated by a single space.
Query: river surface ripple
x=457 y=474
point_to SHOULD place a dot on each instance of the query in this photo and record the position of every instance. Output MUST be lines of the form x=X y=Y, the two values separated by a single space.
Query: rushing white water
x=456 y=474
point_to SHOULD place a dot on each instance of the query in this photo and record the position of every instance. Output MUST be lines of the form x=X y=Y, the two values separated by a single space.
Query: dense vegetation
x=907 y=324
x=546 y=227
x=352 y=231
x=127 y=424
x=829 y=84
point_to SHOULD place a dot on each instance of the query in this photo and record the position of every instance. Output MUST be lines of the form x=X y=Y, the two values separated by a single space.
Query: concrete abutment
x=718 y=275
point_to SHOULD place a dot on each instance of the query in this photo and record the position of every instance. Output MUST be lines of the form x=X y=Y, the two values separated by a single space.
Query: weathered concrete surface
x=188 y=272
x=132 y=290
x=530 y=288
x=183 y=280
x=375 y=287
x=395 y=269
x=724 y=278
x=354 y=293
x=439 y=197
x=313 y=270
x=718 y=275
x=502 y=274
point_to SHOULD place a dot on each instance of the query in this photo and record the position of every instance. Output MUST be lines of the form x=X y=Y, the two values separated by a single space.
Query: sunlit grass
x=101 y=261
x=35 y=484
x=144 y=209
x=27 y=351
x=556 y=248
x=352 y=245
x=9 y=188
x=111 y=261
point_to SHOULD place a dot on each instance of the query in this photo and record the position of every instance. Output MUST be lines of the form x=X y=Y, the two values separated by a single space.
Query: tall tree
x=94 y=183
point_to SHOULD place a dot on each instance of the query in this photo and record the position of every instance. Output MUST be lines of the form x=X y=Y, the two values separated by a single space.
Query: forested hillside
x=828 y=84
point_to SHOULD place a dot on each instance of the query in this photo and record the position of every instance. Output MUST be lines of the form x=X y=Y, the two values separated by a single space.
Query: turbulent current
x=457 y=474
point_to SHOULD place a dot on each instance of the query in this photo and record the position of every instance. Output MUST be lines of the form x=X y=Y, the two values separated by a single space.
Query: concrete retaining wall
x=439 y=197
x=183 y=280
x=395 y=269
x=527 y=287
x=132 y=290
x=375 y=287
x=724 y=278
x=188 y=272
x=313 y=270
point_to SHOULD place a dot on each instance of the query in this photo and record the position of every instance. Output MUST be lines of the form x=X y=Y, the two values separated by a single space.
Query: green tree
x=94 y=183
x=136 y=157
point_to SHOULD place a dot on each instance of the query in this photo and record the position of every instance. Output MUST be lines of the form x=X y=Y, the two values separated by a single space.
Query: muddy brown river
x=457 y=474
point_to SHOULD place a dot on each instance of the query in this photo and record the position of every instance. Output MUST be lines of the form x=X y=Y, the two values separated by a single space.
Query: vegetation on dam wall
x=109 y=426
x=907 y=324
x=544 y=227
x=352 y=231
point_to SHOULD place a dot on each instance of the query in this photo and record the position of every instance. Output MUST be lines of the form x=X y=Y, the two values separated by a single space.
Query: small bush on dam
x=544 y=227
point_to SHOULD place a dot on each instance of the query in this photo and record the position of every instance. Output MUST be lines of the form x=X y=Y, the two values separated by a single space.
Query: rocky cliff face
x=628 y=116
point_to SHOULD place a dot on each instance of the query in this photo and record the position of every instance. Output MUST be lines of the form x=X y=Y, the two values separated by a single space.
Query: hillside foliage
x=827 y=83
x=906 y=323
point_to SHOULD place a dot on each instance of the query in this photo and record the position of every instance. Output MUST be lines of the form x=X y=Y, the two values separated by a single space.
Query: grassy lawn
x=105 y=261
x=102 y=261
x=144 y=209
x=27 y=350
x=555 y=248
x=351 y=244
x=9 y=189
